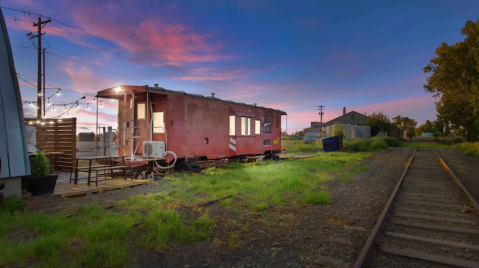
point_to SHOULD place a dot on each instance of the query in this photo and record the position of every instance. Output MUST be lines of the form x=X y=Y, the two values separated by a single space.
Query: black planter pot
x=42 y=185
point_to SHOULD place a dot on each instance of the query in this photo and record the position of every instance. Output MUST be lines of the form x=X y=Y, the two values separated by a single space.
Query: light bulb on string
x=65 y=107
x=101 y=104
x=87 y=107
x=58 y=92
x=48 y=101
x=53 y=107
x=94 y=100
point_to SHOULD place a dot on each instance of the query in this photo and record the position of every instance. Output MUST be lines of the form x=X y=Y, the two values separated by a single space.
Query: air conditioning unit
x=154 y=149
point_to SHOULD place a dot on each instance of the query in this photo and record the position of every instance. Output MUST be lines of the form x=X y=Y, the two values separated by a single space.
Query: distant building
x=86 y=136
x=353 y=118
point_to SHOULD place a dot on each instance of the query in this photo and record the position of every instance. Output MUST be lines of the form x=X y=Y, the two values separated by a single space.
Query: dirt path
x=464 y=167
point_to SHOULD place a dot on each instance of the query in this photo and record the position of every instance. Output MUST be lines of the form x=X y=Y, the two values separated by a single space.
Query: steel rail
x=469 y=196
x=374 y=238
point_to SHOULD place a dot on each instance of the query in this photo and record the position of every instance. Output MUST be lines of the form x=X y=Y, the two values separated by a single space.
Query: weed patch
x=320 y=197
x=470 y=149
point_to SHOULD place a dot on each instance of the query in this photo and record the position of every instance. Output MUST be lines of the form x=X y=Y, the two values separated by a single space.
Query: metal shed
x=13 y=146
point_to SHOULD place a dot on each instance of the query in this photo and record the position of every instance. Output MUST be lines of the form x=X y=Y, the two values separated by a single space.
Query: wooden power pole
x=321 y=112
x=39 y=78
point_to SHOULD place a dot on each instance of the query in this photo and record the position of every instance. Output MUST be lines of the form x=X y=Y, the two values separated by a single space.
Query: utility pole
x=321 y=112
x=39 y=78
x=44 y=96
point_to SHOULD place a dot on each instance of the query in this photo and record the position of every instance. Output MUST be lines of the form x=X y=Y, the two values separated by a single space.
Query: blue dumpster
x=333 y=144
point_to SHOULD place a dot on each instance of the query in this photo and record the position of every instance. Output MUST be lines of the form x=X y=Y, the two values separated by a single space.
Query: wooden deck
x=70 y=189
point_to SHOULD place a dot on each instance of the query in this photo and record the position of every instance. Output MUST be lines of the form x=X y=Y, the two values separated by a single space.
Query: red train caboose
x=159 y=124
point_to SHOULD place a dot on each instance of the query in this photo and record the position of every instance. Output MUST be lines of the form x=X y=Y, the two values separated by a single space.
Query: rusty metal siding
x=189 y=120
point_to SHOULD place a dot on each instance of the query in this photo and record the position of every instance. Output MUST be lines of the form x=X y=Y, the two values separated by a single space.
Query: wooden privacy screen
x=56 y=135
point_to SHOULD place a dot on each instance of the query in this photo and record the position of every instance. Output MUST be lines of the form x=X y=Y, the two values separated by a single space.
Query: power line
x=24 y=47
x=155 y=60
x=57 y=87
x=92 y=66
x=97 y=47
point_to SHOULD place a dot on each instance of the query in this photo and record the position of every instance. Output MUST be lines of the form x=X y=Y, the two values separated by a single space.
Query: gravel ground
x=296 y=236
x=293 y=236
x=437 y=192
x=464 y=167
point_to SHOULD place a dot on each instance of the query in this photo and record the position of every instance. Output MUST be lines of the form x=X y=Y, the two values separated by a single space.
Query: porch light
x=117 y=89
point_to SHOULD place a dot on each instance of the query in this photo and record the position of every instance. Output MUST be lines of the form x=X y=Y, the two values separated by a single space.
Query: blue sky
x=292 y=55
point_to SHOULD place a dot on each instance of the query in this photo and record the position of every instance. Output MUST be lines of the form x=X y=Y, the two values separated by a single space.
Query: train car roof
x=110 y=93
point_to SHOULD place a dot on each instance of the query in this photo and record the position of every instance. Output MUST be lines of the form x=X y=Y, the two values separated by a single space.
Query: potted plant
x=40 y=183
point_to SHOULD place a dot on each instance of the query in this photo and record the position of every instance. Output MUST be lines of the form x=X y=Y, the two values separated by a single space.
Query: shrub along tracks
x=430 y=220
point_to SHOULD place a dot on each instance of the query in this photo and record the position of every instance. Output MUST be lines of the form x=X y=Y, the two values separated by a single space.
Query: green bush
x=378 y=143
x=392 y=142
x=359 y=145
x=39 y=165
x=470 y=149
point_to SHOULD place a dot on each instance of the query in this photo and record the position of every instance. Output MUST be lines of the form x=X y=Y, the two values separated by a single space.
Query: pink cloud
x=216 y=74
x=161 y=37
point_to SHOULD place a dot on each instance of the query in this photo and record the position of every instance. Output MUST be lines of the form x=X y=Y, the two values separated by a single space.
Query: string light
x=48 y=101
x=53 y=107
x=94 y=100
x=38 y=121
x=101 y=104
x=58 y=92
x=87 y=107
x=65 y=107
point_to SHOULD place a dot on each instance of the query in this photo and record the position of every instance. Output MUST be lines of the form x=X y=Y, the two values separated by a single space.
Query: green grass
x=101 y=235
x=470 y=149
x=319 y=197
x=303 y=148
x=11 y=205
x=428 y=145
x=105 y=238
x=268 y=182
x=373 y=144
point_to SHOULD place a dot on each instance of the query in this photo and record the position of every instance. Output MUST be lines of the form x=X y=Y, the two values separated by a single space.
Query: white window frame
x=232 y=124
x=245 y=126
x=138 y=111
x=257 y=127
x=161 y=128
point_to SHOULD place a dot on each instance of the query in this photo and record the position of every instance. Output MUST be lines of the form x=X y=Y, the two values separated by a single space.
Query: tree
x=426 y=127
x=454 y=80
x=338 y=130
x=404 y=122
x=377 y=122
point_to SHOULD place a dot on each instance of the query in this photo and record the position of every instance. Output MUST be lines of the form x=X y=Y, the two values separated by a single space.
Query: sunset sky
x=290 y=55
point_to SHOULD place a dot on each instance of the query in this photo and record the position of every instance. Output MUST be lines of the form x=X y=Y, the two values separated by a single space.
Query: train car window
x=232 y=125
x=267 y=123
x=158 y=122
x=257 y=127
x=266 y=142
x=245 y=126
x=141 y=111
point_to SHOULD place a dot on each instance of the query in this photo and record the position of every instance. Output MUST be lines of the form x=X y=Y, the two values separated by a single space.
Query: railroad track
x=430 y=220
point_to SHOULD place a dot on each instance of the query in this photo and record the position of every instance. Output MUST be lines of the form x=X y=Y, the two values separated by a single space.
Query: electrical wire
x=281 y=102
x=53 y=87
x=91 y=66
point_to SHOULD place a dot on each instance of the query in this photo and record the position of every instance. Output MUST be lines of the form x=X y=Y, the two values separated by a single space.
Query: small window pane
x=248 y=125
x=158 y=122
x=232 y=125
x=267 y=123
x=257 y=127
x=141 y=111
x=243 y=126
